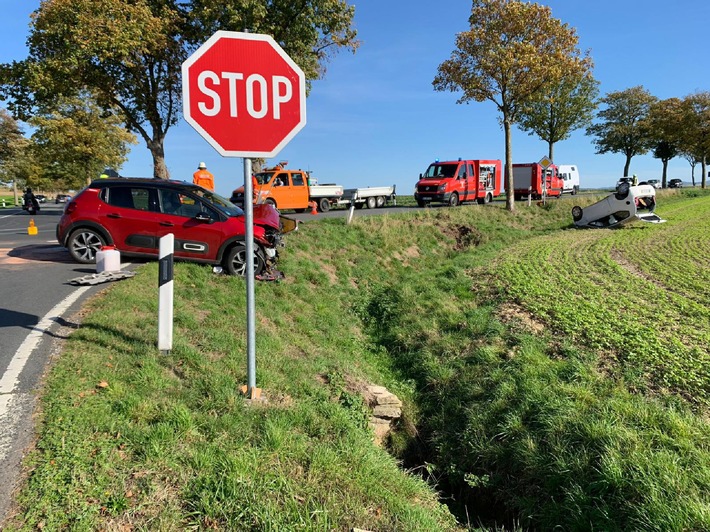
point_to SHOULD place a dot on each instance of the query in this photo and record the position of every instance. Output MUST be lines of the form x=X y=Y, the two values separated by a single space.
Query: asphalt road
x=35 y=315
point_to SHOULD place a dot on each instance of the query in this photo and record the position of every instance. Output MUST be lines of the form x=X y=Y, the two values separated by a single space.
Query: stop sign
x=243 y=94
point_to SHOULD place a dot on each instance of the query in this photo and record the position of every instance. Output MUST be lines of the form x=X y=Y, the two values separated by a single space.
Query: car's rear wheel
x=380 y=201
x=324 y=205
x=236 y=260
x=83 y=244
x=371 y=202
x=271 y=202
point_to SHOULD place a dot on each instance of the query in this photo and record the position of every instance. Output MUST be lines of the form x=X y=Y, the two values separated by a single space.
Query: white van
x=570 y=175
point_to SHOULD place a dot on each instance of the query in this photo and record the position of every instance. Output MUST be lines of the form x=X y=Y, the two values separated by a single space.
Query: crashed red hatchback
x=132 y=214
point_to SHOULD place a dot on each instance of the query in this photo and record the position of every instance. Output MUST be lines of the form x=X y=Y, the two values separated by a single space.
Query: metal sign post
x=252 y=391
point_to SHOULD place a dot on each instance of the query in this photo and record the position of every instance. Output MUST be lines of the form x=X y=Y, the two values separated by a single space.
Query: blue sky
x=376 y=120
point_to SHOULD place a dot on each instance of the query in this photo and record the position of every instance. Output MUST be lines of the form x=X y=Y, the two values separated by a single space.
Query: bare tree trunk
x=627 y=166
x=703 y=166
x=157 y=150
x=551 y=150
x=509 y=185
x=665 y=173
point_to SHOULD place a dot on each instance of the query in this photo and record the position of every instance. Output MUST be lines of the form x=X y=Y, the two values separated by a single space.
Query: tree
x=129 y=54
x=663 y=118
x=560 y=109
x=74 y=141
x=696 y=130
x=310 y=31
x=12 y=146
x=623 y=126
x=10 y=135
x=511 y=53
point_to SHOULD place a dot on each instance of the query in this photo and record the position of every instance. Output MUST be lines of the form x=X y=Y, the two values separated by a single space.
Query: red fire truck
x=454 y=182
x=531 y=180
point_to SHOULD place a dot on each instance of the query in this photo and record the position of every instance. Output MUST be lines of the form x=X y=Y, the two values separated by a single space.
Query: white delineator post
x=165 y=293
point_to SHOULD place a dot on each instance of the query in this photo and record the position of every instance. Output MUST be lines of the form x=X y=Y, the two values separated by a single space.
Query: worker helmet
x=202 y=166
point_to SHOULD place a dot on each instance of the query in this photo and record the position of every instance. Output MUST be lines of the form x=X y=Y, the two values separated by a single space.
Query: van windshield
x=263 y=177
x=441 y=170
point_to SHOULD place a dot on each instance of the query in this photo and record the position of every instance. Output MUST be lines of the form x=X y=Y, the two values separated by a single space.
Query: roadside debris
x=103 y=277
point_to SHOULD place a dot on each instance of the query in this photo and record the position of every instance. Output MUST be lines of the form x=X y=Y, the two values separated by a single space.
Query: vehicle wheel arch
x=81 y=224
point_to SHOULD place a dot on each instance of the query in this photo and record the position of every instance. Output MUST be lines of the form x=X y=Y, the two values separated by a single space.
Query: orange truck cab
x=530 y=179
x=277 y=186
x=455 y=182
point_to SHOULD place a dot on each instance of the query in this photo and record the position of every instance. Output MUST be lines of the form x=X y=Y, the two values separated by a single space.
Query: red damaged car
x=132 y=214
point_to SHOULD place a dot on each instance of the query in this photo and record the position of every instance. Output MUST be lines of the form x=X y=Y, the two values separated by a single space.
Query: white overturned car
x=628 y=204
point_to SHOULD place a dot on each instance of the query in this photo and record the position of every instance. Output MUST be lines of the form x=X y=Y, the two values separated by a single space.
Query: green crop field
x=550 y=378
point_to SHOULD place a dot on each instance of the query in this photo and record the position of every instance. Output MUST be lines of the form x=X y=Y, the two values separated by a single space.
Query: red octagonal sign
x=243 y=94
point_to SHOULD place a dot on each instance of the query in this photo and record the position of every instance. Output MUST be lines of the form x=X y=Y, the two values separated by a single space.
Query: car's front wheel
x=83 y=245
x=577 y=213
x=236 y=260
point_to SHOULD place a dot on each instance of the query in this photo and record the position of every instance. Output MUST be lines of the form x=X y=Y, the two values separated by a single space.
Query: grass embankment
x=550 y=377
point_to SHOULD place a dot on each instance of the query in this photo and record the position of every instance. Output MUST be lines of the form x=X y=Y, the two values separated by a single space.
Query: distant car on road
x=41 y=198
x=675 y=183
x=62 y=198
x=655 y=183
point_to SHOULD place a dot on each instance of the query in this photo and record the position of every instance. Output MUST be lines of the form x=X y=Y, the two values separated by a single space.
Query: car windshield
x=222 y=204
x=440 y=170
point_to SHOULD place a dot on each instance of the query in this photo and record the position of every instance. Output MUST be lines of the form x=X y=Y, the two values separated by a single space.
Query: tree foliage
x=513 y=50
x=623 y=125
x=129 y=54
x=562 y=108
x=74 y=141
x=310 y=31
x=10 y=135
x=696 y=130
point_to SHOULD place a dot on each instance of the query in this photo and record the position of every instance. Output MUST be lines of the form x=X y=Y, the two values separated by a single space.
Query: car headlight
x=442 y=188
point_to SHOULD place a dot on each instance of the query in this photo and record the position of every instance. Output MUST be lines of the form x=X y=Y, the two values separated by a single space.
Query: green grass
x=550 y=377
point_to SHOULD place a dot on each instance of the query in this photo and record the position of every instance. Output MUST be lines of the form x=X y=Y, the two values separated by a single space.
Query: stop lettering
x=243 y=94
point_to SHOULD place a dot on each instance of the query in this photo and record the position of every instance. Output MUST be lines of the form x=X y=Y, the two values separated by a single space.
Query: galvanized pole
x=249 y=276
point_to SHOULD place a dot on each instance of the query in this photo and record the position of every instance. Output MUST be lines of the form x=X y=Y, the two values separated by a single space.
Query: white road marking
x=9 y=408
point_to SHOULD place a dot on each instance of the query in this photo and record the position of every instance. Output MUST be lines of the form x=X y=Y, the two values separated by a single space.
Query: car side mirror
x=202 y=216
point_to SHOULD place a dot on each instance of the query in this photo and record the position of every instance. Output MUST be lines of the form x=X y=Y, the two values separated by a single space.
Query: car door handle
x=113 y=215
x=167 y=224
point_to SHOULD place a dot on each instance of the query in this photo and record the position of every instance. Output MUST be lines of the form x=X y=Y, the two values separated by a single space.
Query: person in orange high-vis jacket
x=203 y=177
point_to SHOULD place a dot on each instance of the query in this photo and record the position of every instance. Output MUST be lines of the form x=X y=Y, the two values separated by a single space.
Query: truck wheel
x=454 y=200
x=235 y=261
x=371 y=202
x=576 y=213
x=422 y=204
x=324 y=205
x=380 y=201
x=271 y=202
